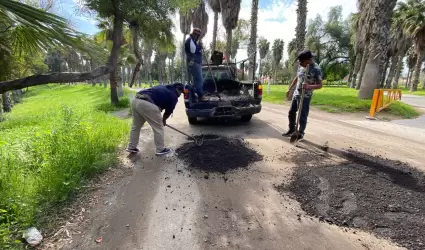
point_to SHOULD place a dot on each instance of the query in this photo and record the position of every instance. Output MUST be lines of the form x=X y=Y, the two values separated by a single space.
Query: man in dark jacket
x=147 y=107
x=193 y=51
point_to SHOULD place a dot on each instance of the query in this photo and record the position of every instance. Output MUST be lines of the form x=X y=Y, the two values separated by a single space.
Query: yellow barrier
x=382 y=98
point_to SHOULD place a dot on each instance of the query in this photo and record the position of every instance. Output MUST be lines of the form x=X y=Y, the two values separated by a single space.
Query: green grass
x=420 y=92
x=49 y=146
x=339 y=99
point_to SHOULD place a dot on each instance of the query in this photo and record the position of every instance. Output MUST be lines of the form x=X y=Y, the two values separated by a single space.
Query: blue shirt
x=193 y=50
x=163 y=96
x=313 y=77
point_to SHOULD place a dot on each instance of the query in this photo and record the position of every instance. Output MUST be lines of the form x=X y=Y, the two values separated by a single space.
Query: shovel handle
x=181 y=132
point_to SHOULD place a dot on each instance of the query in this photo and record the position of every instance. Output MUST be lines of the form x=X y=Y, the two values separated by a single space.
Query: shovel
x=296 y=134
x=198 y=142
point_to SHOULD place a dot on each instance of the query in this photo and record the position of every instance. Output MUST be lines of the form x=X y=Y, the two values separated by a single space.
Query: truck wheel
x=192 y=120
x=246 y=118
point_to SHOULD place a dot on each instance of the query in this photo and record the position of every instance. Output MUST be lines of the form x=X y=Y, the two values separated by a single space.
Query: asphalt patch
x=218 y=154
x=379 y=195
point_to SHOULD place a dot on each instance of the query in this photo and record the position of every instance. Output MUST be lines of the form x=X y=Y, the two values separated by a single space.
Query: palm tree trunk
x=253 y=38
x=300 y=30
x=1 y=108
x=393 y=67
x=383 y=70
x=356 y=69
x=7 y=104
x=362 y=67
x=379 y=36
x=184 y=70
x=119 y=80
x=228 y=44
x=414 y=85
x=214 y=41
x=397 y=72
x=406 y=83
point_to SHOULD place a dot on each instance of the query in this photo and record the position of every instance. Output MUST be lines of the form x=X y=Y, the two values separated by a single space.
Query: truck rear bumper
x=224 y=112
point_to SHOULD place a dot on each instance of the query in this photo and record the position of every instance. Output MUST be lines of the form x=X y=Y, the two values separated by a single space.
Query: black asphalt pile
x=218 y=154
x=379 y=195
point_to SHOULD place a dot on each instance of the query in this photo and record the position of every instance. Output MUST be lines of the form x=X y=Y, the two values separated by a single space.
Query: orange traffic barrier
x=382 y=98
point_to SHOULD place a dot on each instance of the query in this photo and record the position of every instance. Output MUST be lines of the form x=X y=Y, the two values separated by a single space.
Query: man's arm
x=294 y=82
x=317 y=81
x=168 y=111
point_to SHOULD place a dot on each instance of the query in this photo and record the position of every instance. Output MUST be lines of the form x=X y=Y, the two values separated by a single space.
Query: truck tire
x=246 y=118
x=192 y=120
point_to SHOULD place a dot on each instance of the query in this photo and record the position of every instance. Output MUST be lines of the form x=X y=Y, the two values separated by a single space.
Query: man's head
x=196 y=33
x=305 y=58
x=179 y=88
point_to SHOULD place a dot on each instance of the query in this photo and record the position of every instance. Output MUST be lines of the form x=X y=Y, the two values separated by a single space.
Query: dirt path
x=164 y=205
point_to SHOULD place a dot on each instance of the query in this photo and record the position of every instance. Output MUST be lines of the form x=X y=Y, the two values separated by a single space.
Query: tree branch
x=7 y=29
x=53 y=78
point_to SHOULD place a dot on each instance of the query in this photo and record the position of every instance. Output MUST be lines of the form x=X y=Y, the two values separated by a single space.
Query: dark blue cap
x=305 y=55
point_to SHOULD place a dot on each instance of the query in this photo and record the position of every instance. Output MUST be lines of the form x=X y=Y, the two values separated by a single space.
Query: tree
x=200 y=19
x=411 y=62
x=185 y=23
x=413 y=19
x=252 y=48
x=264 y=46
x=380 y=12
x=300 y=30
x=240 y=37
x=278 y=46
x=230 y=15
x=215 y=6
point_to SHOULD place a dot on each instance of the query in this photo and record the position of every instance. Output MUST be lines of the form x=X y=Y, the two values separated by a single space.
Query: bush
x=49 y=146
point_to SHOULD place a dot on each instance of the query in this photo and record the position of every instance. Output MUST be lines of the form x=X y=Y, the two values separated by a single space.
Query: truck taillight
x=186 y=93
x=259 y=89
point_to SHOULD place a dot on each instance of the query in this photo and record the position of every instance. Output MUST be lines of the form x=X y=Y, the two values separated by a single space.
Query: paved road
x=141 y=212
x=415 y=101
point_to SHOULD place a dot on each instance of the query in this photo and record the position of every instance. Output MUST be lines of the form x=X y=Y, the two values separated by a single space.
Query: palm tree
x=252 y=48
x=278 y=45
x=200 y=19
x=411 y=62
x=264 y=46
x=413 y=19
x=378 y=46
x=230 y=15
x=185 y=23
x=300 y=30
x=215 y=6
x=400 y=43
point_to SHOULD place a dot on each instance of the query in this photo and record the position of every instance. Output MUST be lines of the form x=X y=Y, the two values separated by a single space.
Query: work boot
x=300 y=138
x=289 y=133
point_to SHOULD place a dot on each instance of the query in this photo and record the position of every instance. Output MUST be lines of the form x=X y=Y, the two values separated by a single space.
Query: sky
x=276 y=18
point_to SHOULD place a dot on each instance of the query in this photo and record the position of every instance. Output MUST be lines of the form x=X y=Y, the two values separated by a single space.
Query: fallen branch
x=53 y=78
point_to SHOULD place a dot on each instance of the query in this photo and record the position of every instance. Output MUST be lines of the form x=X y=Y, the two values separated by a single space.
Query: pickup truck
x=227 y=97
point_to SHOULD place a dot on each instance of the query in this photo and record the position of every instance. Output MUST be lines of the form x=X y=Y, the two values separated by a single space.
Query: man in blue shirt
x=193 y=51
x=309 y=82
x=147 y=107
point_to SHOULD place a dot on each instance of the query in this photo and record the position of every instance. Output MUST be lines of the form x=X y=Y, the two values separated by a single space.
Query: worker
x=309 y=83
x=193 y=49
x=147 y=107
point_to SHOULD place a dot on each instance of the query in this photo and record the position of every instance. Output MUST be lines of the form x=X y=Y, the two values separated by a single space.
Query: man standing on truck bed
x=312 y=81
x=147 y=107
x=193 y=51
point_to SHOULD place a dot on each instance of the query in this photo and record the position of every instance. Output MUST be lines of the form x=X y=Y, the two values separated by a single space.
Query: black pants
x=292 y=116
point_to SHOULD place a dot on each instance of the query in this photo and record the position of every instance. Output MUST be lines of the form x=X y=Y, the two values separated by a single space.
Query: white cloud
x=277 y=11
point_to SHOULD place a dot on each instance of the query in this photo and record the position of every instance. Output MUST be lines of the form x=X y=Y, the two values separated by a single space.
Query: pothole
x=367 y=192
x=218 y=154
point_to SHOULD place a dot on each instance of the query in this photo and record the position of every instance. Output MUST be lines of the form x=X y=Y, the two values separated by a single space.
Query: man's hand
x=288 y=93
x=200 y=44
x=191 y=63
x=306 y=86
x=164 y=121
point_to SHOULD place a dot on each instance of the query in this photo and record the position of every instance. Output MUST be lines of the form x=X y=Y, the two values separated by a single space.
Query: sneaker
x=289 y=133
x=163 y=152
x=300 y=138
x=132 y=150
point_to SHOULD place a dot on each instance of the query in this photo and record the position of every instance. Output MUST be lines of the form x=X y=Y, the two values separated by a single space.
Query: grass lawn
x=420 y=92
x=49 y=146
x=339 y=99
